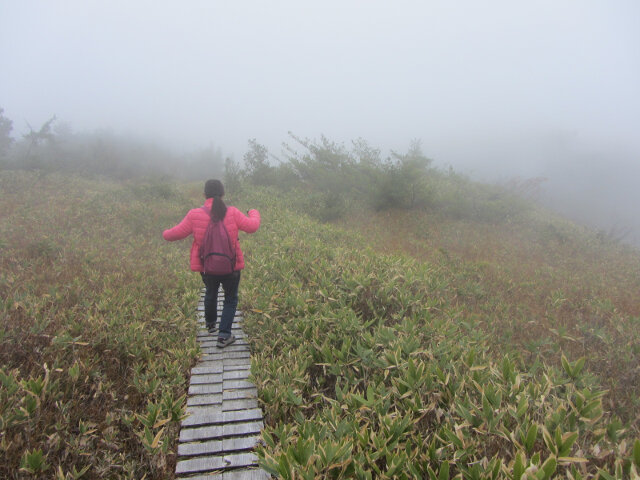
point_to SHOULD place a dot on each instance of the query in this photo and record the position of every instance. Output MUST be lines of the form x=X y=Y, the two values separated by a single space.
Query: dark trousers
x=230 y=285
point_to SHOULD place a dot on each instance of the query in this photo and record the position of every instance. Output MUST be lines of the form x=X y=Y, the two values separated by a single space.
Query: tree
x=256 y=163
x=6 y=126
x=45 y=133
x=412 y=170
x=232 y=175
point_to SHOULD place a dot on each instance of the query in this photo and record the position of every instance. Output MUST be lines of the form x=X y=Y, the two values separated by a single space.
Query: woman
x=195 y=222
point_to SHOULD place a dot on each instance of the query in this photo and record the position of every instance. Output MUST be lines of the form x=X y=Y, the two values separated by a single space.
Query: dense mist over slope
x=498 y=89
x=590 y=180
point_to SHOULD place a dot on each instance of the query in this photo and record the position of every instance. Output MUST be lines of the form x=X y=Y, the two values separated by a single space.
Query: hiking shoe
x=212 y=329
x=223 y=342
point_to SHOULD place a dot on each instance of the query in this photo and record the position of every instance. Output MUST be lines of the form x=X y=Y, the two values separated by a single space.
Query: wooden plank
x=237 y=429
x=237 y=346
x=206 y=378
x=241 y=404
x=246 y=475
x=212 y=463
x=205 y=389
x=218 y=447
x=230 y=348
x=237 y=384
x=213 y=342
x=217 y=416
x=200 y=448
x=212 y=347
x=204 y=409
x=237 y=444
x=209 y=368
x=222 y=354
x=216 y=432
x=211 y=399
x=209 y=361
x=240 y=374
x=239 y=394
x=236 y=363
x=201 y=433
x=242 y=415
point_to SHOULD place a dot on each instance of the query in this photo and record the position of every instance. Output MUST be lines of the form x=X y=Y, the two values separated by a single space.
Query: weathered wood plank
x=241 y=374
x=205 y=389
x=239 y=394
x=236 y=363
x=224 y=355
x=204 y=419
x=237 y=384
x=210 y=360
x=213 y=432
x=201 y=433
x=200 y=448
x=201 y=379
x=211 y=399
x=208 y=368
x=212 y=463
x=237 y=444
x=237 y=429
x=219 y=447
x=242 y=415
x=242 y=404
x=216 y=416
x=204 y=409
x=246 y=475
x=234 y=347
x=213 y=342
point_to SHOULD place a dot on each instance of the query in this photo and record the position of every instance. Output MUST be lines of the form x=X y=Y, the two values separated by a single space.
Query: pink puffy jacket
x=196 y=221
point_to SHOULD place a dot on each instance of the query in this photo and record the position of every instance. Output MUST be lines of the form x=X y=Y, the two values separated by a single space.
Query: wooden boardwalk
x=224 y=423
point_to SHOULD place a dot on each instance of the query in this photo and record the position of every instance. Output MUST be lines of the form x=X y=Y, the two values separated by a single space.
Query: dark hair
x=214 y=189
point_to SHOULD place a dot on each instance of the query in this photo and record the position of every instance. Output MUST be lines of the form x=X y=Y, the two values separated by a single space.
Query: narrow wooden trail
x=224 y=422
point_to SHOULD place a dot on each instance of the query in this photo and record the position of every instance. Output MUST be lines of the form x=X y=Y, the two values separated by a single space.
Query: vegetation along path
x=224 y=421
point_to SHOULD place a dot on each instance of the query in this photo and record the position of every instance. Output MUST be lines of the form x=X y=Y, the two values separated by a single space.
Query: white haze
x=495 y=88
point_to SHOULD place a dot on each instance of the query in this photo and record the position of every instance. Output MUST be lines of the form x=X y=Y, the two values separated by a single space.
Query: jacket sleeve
x=180 y=231
x=249 y=223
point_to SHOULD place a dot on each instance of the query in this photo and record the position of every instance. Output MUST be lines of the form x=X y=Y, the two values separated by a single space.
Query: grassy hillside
x=538 y=285
x=478 y=337
x=429 y=345
x=96 y=328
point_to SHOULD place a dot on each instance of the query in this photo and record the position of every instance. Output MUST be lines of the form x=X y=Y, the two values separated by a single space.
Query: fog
x=498 y=89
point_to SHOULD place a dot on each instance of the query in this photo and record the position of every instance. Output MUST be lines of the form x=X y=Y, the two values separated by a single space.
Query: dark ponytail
x=214 y=189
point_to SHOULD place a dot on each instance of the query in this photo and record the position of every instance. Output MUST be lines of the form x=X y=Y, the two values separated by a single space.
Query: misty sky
x=452 y=73
x=512 y=87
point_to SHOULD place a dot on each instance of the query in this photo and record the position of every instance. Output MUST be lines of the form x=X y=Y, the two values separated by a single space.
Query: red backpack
x=217 y=254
